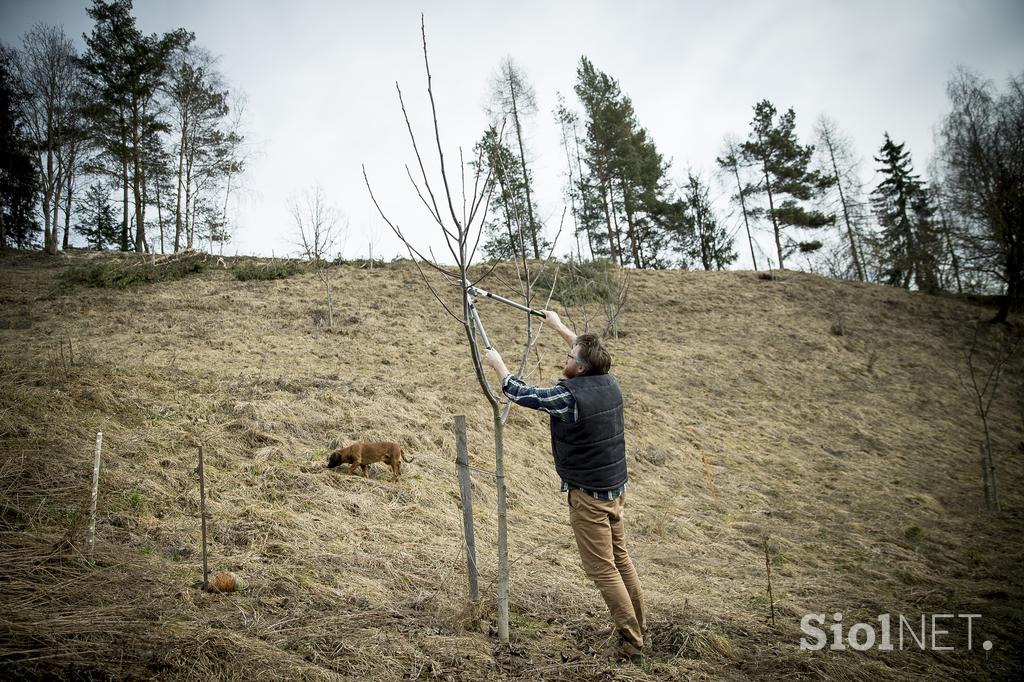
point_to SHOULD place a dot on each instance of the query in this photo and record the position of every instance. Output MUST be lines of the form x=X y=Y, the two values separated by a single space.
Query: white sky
x=319 y=77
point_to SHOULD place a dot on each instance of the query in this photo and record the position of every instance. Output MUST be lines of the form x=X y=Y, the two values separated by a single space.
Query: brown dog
x=365 y=454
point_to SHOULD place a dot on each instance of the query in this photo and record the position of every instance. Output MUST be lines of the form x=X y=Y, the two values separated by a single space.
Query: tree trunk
x=159 y=216
x=531 y=226
x=124 y=184
x=188 y=198
x=952 y=251
x=579 y=167
x=67 y=206
x=743 y=207
x=612 y=237
x=771 y=213
x=499 y=471
x=49 y=209
x=137 y=189
x=634 y=247
x=181 y=173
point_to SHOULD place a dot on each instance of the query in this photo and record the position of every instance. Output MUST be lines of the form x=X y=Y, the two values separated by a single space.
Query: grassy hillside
x=856 y=455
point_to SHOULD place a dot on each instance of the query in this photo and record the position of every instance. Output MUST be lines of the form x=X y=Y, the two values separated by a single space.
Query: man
x=589 y=448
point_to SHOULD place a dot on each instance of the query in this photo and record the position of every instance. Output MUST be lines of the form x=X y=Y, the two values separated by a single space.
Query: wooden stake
x=202 y=514
x=91 y=539
x=466 y=493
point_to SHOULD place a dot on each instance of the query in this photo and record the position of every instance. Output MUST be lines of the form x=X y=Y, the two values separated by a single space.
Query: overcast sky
x=319 y=79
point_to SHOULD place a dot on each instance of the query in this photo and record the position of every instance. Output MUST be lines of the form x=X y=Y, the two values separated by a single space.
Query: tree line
x=961 y=231
x=134 y=143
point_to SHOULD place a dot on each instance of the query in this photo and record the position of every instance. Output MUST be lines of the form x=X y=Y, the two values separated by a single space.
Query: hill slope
x=855 y=455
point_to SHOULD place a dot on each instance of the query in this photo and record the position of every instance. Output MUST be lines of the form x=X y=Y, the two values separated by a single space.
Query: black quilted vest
x=591 y=453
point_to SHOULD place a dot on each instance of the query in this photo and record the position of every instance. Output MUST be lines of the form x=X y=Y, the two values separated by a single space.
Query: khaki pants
x=601 y=538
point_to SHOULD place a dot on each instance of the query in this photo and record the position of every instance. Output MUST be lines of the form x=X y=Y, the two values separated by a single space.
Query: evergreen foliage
x=119 y=275
x=787 y=182
x=710 y=245
x=626 y=204
x=908 y=243
x=97 y=223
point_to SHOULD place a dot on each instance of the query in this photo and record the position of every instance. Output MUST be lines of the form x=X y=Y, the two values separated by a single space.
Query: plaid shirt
x=560 y=404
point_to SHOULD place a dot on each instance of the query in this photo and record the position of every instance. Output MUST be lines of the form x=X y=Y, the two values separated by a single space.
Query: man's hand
x=551 y=319
x=493 y=359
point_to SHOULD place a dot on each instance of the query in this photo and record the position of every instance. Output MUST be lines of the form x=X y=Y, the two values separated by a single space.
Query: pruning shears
x=477 y=291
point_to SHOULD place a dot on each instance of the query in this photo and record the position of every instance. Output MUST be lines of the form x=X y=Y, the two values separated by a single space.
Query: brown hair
x=592 y=354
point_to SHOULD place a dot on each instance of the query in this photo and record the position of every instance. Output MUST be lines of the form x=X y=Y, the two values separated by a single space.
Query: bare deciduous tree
x=320 y=227
x=981 y=385
x=837 y=161
x=49 y=75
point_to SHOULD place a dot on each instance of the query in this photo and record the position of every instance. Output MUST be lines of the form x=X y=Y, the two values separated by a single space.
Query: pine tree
x=788 y=183
x=711 y=244
x=901 y=204
x=97 y=223
x=626 y=200
x=124 y=70
x=506 y=227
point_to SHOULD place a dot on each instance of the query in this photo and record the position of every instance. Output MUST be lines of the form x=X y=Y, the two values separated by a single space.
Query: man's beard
x=565 y=373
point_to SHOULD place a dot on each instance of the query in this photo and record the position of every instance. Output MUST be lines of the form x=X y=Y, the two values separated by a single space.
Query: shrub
x=275 y=270
x=119 y=275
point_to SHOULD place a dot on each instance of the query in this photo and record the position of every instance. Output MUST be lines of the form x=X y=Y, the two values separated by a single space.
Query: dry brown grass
x=856 y=454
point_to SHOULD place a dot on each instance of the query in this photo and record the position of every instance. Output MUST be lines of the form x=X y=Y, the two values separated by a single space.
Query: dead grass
x=856 y=454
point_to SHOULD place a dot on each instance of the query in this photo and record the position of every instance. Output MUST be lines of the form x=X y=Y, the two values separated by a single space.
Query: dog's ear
x=334 y=460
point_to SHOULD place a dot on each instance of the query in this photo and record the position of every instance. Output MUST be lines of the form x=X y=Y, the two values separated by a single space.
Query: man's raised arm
x=551 y=319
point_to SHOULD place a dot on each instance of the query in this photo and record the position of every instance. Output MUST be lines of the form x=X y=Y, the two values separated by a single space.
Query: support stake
x=91 y=540
x=466 y=493
x=202 y=515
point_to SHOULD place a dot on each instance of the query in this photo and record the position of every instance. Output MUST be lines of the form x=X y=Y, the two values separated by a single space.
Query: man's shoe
x=623 y=650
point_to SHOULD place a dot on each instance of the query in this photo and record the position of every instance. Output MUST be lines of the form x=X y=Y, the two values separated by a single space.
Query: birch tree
x=47 y=72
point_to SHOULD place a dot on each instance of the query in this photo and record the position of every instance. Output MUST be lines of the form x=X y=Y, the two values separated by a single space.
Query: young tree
x=711 y=243
x=982 y=152
x=461 y=231
x=320 y=227
x=18 y=178
x=903 y=211
x=787 y=180
x=97 y=223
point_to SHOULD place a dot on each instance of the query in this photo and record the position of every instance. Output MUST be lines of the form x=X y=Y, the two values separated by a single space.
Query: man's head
x=588 y=356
